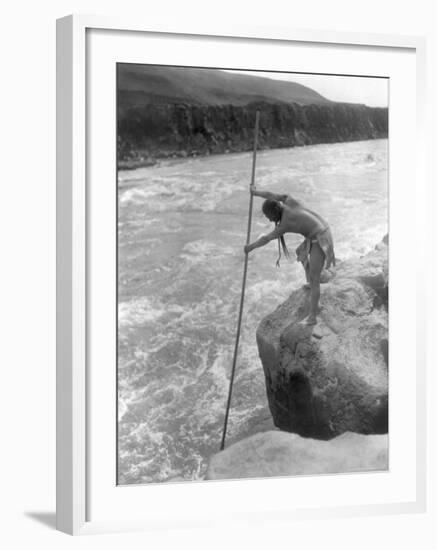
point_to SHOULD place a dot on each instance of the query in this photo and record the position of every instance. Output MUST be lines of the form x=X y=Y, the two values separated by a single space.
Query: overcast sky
x=351 y=89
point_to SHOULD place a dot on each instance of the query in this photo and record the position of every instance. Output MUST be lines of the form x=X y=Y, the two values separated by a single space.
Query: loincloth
x=324 y=239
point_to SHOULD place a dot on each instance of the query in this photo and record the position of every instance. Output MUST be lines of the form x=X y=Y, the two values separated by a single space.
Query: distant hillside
x=141 y=85
x=178 y=112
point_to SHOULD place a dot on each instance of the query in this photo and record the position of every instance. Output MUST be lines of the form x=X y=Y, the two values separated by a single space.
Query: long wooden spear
x=243 y=289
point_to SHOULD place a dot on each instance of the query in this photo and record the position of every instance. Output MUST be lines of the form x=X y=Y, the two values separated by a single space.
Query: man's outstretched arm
x=268 y=194
x=275 y=234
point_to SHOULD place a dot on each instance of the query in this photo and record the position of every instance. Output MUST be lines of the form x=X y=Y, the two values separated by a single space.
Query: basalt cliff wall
x=156 y=131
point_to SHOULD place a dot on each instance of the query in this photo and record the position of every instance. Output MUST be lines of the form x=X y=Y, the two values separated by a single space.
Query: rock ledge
x=325 y=380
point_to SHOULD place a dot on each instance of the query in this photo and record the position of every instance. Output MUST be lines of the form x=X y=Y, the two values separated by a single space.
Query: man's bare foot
x=309 y=320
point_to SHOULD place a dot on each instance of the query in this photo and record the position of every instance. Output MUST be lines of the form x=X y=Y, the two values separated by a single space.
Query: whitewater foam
x=142 y=310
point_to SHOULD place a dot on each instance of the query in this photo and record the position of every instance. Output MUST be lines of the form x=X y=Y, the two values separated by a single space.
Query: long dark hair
x=273 y=210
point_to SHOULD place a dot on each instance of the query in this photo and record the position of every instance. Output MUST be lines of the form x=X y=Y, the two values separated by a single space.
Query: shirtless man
x=290 y=216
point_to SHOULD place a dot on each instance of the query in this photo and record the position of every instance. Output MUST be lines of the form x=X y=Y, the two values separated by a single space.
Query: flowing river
x=181 y=231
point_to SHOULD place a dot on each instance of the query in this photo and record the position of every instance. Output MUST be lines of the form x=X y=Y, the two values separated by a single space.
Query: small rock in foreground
x=275 y=454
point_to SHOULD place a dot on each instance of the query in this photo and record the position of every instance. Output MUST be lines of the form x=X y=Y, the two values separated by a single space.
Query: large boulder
x=277 y=453
x=331 y=378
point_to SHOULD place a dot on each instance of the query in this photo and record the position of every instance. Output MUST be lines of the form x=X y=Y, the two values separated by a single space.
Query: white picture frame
x=73 y=341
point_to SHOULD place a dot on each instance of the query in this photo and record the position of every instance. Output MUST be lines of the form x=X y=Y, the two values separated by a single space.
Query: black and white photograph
x=252 y=274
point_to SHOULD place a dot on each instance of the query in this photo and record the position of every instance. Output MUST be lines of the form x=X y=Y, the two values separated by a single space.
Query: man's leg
x=306 y=267
x=317 y=259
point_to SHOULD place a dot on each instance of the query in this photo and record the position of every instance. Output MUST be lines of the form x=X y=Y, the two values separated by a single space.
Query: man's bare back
x=298 y=219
